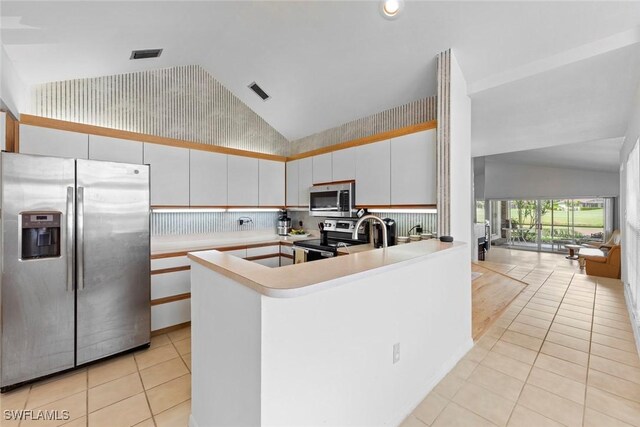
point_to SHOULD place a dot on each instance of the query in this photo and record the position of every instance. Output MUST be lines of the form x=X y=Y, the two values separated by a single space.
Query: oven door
x=301 y=254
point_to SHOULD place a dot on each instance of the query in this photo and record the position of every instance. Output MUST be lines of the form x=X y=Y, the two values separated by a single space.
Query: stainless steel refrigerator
x=75 y=284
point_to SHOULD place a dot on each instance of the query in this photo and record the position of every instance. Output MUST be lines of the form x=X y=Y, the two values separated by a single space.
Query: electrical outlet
x=396 y=352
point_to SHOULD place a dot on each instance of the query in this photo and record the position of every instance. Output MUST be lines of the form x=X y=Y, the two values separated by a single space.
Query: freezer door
x=36 y=290
x=113 y=282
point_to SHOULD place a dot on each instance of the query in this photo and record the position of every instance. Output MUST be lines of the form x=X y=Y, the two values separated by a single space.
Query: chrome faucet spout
x=375 y=218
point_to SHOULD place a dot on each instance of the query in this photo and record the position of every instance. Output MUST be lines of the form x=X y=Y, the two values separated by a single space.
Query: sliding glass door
x=547 y=224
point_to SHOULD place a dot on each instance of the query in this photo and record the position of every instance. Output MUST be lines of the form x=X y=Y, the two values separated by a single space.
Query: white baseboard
x=634 y=316
x=192 y=421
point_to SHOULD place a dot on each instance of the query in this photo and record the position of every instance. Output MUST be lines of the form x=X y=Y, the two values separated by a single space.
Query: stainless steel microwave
x=332 y=200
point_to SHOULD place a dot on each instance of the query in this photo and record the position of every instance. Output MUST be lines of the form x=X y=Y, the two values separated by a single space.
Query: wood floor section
x=492 y=293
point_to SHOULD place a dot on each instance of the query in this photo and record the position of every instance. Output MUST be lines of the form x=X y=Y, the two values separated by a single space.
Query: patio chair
x=614 y=240
x=605 y=266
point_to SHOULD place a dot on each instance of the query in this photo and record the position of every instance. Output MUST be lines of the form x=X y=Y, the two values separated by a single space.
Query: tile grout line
x=540 y=349
x=153 y=419
x=593 y=315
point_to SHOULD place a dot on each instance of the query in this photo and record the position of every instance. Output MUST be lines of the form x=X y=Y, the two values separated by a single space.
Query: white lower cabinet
x=242 y=181
x=169 y=167
x=115 y=149
x=53 y=142
x=169 y=284
x=240 y=253
x=263 y=250
x=170 y=314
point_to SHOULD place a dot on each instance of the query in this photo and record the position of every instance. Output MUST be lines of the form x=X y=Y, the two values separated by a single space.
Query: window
x=480 y=212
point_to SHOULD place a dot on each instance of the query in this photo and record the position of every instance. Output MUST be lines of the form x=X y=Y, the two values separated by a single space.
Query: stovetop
x=332 y=244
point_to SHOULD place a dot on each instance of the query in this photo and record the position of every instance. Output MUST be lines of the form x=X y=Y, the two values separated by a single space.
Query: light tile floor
x=563 y=353
x=148 y=388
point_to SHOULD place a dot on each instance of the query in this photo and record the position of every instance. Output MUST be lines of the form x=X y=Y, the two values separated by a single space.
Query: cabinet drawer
x=160 y=263
x=168 y=284
x=263 y=250
x=170 y=314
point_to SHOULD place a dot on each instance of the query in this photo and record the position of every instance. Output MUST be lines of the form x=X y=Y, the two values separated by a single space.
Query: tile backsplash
x=404 y=221
x=166 y=223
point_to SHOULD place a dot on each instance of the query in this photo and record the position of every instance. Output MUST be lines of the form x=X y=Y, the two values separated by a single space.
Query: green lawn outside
x=583 y=218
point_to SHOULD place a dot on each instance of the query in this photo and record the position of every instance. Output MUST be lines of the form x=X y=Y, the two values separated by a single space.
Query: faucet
x=373 y=217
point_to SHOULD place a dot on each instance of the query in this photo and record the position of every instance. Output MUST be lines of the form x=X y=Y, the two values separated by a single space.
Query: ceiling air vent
x=145 y=53
x=258 y=90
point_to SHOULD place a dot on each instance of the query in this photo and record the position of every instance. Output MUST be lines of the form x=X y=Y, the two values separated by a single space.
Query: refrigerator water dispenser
x=40 y=232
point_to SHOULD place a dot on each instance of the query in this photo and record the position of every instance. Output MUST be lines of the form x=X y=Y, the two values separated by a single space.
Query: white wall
x=631 y=136
x=3 y=134
x=13 y=92
x=518 y=181
x=461 y=164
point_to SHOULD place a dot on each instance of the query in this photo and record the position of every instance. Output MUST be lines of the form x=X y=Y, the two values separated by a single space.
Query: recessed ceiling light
x=390 y=9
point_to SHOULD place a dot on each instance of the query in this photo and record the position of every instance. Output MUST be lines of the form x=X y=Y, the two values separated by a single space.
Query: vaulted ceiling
x=539 y=73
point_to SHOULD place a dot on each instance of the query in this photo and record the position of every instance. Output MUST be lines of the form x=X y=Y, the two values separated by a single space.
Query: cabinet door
x=242 y=184
x=413 y=169
x=169 y=174
x=305 y=177
x=115 y=149
x=322 y=168
x=373 y=174
x=344 y=164
x=271 y=183
x=53 y=142
x=208 y=178
x=292 y=183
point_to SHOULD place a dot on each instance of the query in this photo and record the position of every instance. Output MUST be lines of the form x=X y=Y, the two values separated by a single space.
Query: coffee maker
x=284 y=224
x=391 y=233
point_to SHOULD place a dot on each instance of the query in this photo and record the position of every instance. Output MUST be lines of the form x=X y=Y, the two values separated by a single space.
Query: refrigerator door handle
x=70 y=236
x=80 y=240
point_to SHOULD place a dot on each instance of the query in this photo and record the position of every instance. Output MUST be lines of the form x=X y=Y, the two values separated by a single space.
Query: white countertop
x=197 y=242
x=301 y=279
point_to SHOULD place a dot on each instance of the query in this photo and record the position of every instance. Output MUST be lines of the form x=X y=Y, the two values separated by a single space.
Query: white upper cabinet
x=271 y=183
x=344 y=164
x=53 y=142
x=169 y=174
x=413 y=169
x=208 y=178
x=243 y=176
x=305 y=178
x=373 y=174
x=292 y=183
x=115 y=149
x=322 y=168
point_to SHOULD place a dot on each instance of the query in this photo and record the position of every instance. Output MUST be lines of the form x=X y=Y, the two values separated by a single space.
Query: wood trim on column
x=367 y=140
x=46 y=122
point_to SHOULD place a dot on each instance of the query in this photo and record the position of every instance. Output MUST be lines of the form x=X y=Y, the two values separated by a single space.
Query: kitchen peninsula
x=350 y=340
